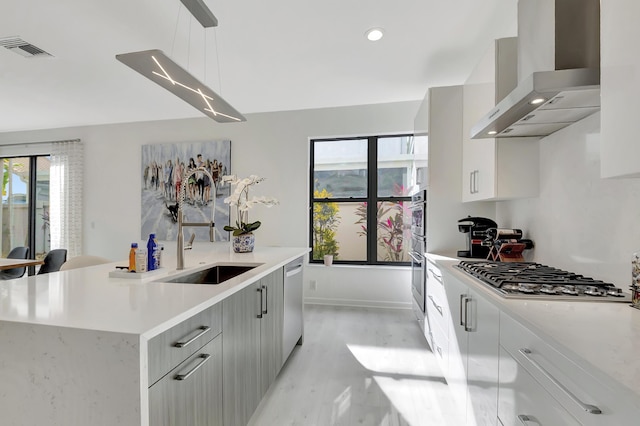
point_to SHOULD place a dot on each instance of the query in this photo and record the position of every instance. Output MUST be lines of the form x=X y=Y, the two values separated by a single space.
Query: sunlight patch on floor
x=414 y=387
x=395 y=361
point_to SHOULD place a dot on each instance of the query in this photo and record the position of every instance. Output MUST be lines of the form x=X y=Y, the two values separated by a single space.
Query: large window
x=25 y=204
x=360 y=191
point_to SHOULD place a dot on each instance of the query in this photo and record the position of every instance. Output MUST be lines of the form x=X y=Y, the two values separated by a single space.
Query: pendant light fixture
x=201 y=12
x=162 y=70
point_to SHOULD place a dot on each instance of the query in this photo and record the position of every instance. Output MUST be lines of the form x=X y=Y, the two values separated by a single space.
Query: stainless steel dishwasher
x=293 y=311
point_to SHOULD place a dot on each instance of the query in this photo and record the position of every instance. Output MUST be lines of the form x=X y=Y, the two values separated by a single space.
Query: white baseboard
x=356 y=303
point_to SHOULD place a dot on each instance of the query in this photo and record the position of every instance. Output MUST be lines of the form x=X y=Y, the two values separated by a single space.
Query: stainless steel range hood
x=559 y=57
x=568 y=96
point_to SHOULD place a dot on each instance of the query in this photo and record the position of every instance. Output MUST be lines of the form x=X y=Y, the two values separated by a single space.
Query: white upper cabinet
x=440 y=116
x=495 y=169
x=620 y=88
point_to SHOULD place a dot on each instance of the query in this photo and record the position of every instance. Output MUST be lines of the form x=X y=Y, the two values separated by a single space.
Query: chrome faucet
x=180 y=243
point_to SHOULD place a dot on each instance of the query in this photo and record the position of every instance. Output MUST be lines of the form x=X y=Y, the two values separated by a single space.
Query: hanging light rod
x=160 y=69
x=201 y=12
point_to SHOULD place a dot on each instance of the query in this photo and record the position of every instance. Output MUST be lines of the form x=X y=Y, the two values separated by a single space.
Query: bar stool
x=53 y=261
x=15 y=253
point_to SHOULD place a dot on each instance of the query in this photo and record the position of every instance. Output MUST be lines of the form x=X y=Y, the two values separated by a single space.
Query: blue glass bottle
x=152 y=256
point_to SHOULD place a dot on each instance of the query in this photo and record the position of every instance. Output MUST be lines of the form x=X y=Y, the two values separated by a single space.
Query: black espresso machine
x=476 y=229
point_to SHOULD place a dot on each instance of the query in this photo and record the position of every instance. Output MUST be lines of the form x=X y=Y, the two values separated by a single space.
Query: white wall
x=386 y=286
x=272 y=145
x=579 y=222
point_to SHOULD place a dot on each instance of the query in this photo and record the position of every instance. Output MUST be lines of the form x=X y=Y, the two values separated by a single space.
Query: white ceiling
x=264 y=55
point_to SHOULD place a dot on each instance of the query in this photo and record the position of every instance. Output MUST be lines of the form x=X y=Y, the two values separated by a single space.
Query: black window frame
x=31 y=200
x=371 y=199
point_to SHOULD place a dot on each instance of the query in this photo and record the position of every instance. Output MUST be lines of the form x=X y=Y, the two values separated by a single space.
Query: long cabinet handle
x=471 y=174
x=592 y=409
x=438 y=307
x=266 y=300
x=465 y=322
x=204 y=358
x=436 y=276
x=182 y=343
x=415 y=258
x=293 y=271
x=261 y=304
x=524 y=419
x=466 y=314
x=473 y=185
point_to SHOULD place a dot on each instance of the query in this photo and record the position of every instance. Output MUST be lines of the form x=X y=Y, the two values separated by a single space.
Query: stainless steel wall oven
x=418 y=208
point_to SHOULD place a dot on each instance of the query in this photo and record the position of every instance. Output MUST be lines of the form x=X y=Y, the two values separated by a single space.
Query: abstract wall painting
x=164 y=167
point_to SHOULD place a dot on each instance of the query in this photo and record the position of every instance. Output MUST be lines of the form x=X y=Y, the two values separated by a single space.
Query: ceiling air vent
x=22 y=48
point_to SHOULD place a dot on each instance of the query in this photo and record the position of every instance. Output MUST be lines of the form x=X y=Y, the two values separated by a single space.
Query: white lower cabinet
x=458 y=340
x=482 y=325
x=472 y=371
x=437 y=316
x=590 y=399
x=503 y=373
x=523 y=401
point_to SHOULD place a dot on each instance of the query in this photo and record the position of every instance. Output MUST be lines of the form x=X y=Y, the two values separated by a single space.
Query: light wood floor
x=359 y=366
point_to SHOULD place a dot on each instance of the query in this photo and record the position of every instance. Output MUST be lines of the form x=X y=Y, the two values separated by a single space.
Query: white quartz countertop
x=601 y=337
x=88 y=298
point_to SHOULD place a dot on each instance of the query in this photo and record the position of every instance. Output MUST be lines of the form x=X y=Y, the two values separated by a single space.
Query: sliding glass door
x=25 y=205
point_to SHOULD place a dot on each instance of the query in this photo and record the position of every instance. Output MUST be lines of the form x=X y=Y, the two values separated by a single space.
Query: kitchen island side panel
x=65 y=376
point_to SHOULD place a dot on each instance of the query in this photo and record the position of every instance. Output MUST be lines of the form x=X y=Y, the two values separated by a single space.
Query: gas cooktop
x=533 y=280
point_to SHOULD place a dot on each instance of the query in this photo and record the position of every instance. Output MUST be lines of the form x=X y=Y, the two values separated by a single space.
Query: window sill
x=350 y=266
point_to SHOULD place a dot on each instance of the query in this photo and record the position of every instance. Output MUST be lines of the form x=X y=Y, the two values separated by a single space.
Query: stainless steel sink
x=214 y=275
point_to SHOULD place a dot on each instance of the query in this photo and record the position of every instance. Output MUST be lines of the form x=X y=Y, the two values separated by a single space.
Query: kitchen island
x=76 y=343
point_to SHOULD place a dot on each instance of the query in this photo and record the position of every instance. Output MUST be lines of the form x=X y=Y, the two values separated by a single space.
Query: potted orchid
x=243 y=238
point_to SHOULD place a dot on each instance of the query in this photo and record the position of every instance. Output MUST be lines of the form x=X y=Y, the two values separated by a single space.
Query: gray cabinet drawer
x=191 y=394
x=173 y=346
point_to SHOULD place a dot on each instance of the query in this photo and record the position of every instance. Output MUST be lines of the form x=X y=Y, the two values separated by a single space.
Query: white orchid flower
x=240 y=198
x=231 y=200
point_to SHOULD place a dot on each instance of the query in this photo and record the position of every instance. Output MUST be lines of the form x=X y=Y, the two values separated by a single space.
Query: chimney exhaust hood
x=559 y=57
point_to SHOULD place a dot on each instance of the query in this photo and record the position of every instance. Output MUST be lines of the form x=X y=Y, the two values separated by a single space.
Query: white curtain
x=65 y=196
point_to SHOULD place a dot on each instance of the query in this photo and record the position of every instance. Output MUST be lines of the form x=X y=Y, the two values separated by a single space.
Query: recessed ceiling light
x=374 y=34
x=537 y=101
